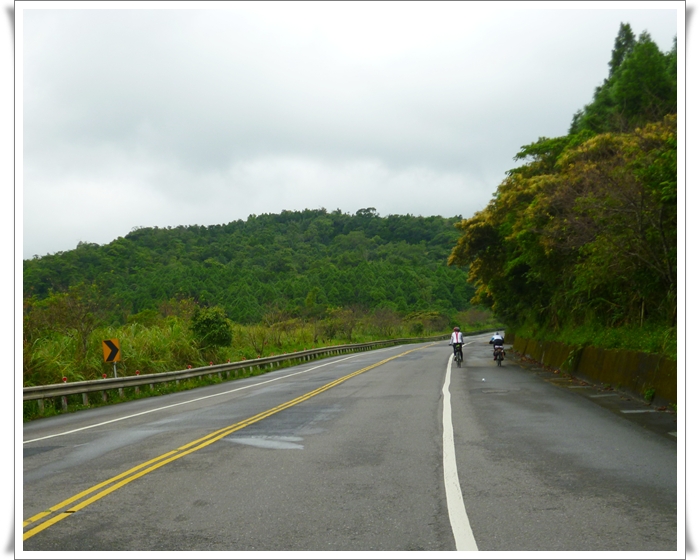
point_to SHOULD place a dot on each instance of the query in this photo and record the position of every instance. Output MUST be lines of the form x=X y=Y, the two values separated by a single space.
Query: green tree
x=644 y=90
x=624 y=43
x=591 y=233
x=640 y=87
x=211 y=327
x=75 y=313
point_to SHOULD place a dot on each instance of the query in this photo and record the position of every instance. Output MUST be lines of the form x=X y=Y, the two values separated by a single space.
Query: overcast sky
x=166 y=117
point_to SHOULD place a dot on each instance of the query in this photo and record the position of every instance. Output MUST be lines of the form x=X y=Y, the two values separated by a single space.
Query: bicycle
x=459 y=357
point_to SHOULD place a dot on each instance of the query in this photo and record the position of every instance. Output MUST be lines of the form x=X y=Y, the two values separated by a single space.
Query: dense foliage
x=298 y=262
x=584 y=233
x=271 y=283
x=210 y=327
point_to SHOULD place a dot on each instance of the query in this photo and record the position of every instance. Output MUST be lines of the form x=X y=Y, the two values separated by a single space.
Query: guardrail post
x=64 y=403
x=104 y=396
x=121 y=392
x=152 y=386
x=85 y=399
x=41 y=406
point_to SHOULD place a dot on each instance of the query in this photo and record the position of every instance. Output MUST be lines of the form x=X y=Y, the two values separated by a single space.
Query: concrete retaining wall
x=632 y=372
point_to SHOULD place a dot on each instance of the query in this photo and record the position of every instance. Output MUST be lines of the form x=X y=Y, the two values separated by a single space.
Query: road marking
x=153 y=464
x=637 y=411
x=674 y=434
x=602 y=396
x=185 y=402
x=461 y=529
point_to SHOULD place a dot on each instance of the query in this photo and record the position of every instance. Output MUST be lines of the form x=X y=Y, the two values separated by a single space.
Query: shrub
x=211 y=327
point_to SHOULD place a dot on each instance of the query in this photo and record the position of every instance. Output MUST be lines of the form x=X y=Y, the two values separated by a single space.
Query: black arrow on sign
x=114 y=350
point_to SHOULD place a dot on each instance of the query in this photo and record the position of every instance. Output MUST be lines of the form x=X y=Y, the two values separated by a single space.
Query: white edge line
x=186 y=402
x=461 y=529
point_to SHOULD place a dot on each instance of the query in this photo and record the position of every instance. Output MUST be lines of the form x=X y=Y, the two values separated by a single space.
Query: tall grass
x=169 y=345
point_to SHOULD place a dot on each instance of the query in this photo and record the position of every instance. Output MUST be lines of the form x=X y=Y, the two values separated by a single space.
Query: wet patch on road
x=269 y=442
x=30 y=451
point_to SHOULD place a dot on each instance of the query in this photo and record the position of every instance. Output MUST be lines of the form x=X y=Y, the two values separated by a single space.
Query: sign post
x=112 y=352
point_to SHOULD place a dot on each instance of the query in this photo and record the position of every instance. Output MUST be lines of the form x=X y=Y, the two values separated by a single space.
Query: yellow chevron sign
x=111 y=350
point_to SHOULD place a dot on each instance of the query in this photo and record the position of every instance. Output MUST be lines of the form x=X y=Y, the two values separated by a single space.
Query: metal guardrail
x=84 y=387
x=78 y=387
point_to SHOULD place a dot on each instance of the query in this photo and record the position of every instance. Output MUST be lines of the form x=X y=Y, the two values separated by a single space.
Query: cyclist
x=456 y=341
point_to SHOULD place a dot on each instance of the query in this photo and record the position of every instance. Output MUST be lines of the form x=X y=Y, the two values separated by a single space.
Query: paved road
x=553 y=466
x=358 y=465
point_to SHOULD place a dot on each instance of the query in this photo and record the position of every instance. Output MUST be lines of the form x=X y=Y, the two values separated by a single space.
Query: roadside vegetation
x=183 y=334
x=273 y=283
x=579 y=242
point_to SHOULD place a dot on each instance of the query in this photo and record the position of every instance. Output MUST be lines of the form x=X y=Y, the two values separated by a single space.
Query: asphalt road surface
x=395 y=449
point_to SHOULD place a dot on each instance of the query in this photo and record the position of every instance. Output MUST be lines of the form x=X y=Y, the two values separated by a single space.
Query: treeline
x=579 y=242
x=297 y=262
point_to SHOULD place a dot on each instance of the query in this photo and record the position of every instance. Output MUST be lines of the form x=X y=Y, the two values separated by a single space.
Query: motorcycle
x=499 y=354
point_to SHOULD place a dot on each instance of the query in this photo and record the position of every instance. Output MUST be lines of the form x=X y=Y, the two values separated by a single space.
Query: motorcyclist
x=497 y=341
x=455 y=339
x=495 y=336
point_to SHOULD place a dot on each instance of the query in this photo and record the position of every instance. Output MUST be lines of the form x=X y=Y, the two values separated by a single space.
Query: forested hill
x=296 y=261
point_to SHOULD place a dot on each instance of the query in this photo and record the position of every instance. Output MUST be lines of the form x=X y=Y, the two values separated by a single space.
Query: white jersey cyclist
x=457 y=337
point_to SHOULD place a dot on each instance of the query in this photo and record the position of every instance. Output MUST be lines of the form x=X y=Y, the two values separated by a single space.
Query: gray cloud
x=163 y=117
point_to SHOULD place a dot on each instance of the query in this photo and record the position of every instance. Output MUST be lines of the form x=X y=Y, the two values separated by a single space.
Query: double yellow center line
x=74 y=503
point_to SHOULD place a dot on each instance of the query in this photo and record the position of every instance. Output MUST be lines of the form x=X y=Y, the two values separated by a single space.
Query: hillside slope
x=294 y=261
